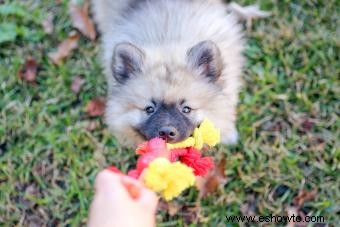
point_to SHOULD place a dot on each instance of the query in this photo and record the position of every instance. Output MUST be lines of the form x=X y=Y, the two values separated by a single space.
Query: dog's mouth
x=184 y=135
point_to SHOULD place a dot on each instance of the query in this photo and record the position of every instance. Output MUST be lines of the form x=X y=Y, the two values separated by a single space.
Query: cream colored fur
x=165 y=30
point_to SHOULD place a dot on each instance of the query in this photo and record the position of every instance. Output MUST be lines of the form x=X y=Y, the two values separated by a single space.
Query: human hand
x=121 y=201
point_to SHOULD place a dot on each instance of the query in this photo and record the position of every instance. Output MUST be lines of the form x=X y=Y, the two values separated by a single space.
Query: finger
x=133 y=187
x=149 y=199
x=108 y=183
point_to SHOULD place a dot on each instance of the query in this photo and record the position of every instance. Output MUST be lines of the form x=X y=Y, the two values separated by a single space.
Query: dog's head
x=156 y=99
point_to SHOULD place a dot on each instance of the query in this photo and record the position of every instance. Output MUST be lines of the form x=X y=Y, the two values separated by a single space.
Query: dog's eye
x=150 y=109
x=186 y=109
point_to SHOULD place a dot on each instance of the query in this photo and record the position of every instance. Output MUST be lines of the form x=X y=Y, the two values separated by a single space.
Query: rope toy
x=169 y=169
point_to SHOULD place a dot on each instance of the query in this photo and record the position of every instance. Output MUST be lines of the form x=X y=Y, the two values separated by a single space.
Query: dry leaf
x=77 y=84
x=214 y=179
x=190 y=214
x=65 y=48
x=304 y=196
x=290 y=212
x=92 y=125
x=317 y=143
x=28 y=72
x=299 y=217
x=95 y=107
x=248 y=208
x=173 y=208
x=307 y=125
x=81 y=20
x=48 y=24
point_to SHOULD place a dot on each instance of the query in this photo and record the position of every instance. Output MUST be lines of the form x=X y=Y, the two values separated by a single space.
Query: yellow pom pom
x=205 y=134
x=168 y=179
x=198 y=139
x=186 y=143
x=210 y=134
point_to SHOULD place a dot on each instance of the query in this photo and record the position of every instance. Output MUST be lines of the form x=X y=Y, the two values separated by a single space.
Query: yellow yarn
x=206 y=133
x=210 y=134
x=186 y=143
x=168 y=179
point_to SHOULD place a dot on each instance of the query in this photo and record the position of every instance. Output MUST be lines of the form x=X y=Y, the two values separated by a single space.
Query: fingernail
x=114 y=169
x=132 y=188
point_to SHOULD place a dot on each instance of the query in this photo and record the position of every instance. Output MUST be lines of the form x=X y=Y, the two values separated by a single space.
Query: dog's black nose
x=168 y=133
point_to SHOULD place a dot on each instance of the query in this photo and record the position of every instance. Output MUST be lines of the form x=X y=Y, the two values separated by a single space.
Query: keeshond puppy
x=169 y=64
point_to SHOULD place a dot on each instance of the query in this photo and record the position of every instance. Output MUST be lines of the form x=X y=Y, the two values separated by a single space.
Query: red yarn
x=193 y=158
x=156 y=145
x=114 y=169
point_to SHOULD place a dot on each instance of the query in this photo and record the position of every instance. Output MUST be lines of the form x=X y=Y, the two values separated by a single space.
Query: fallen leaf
x=32 y=190
x=48 y=24
x=214 y=179
x=33 y=220
x=299 y=217
x=304 y=196
x=190 y=214
x=92 y=125
x=28 y=72
x=162 y=205
x=77 y=83
x=173 y=208
x=65 y=48
x=248 y=208
x=306 y=125
x=95 y=107
x=81 y=20
x=317 y=143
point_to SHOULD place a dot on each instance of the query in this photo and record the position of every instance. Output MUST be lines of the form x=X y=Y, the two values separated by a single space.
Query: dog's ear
x=205 y=58
x=127 y=61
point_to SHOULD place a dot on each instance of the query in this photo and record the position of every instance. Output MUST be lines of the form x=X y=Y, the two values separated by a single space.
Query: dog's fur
x=168 y=54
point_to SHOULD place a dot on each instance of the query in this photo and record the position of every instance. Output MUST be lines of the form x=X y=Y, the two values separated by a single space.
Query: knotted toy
x=169 y=169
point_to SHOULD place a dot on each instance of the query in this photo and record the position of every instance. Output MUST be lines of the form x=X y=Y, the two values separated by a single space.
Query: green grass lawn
x=288 y=121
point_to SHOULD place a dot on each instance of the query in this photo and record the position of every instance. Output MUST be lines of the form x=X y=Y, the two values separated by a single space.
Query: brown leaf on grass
x=92 y=125
x=307 y=125
x=248 y=208
x=190 y=214
x=317 y=143
x=304 y=196
x=299 y=217
x=81 y=20
x=173 y=208
x=28 y=72
x=77 y=84
x=48 y=24
x=95 y=107
x=65 y=48
x=213 y=180
x=32 y=190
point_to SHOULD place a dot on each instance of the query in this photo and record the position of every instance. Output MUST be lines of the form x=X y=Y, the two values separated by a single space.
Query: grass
x=288 y=121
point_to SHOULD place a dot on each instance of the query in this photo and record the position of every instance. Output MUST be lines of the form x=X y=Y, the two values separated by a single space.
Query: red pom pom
x=114 y=169
x=144 y=160
x=193 y=158
x=156 y=145
x=142 y=148
x=134 y=173
x=177 y=153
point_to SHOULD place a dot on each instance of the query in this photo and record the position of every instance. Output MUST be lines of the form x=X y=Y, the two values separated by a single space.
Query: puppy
x=169 y=64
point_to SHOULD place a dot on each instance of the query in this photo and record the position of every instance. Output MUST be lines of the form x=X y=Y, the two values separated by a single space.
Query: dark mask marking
x=167 y=115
